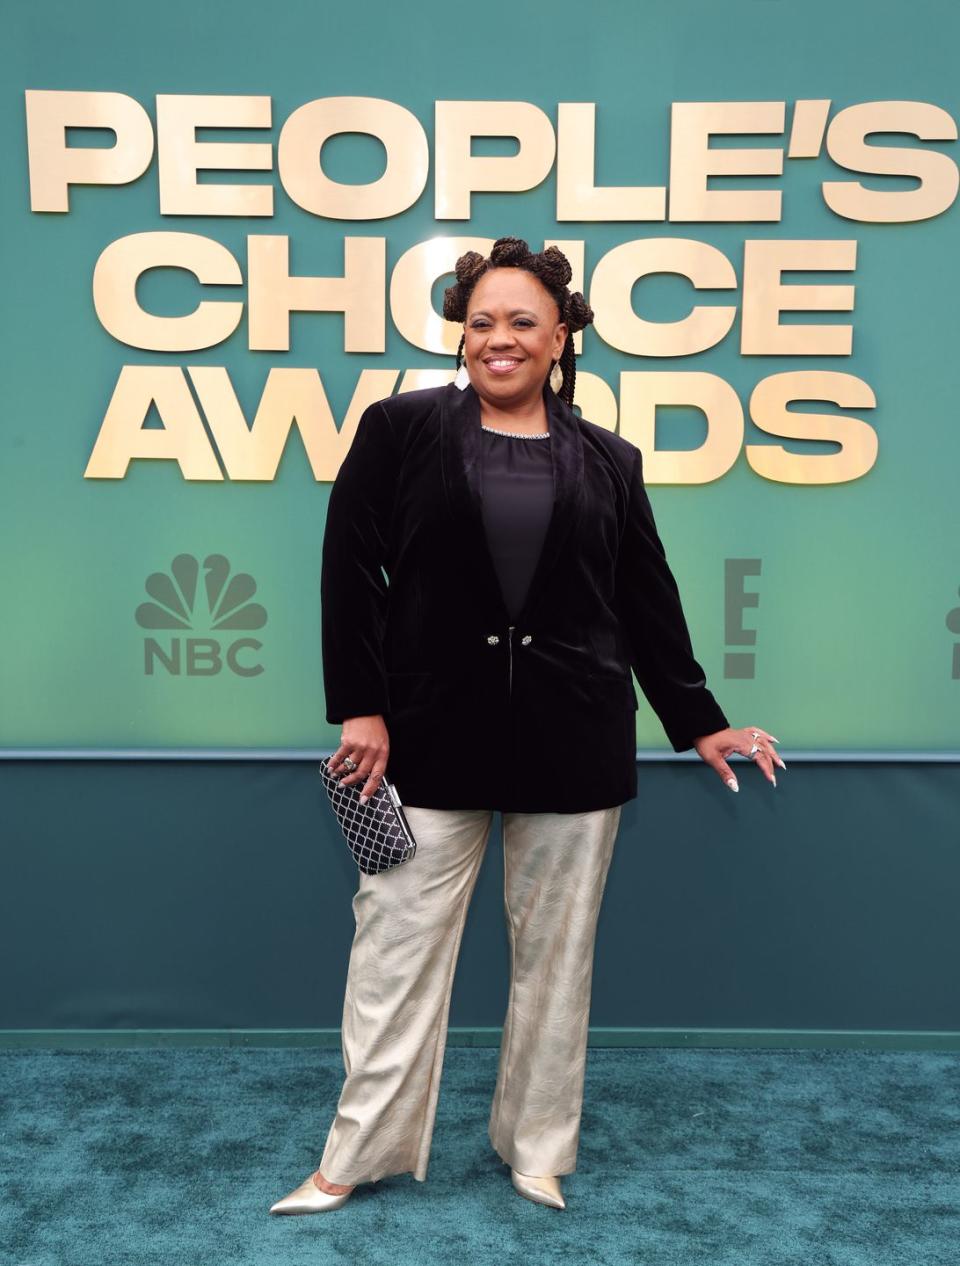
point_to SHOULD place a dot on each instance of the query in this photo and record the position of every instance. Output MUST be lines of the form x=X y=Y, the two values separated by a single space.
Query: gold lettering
x=55 y=166
x=123 y=436
x=181 y=156
x=937 y=173
x=578 y=197
x=765 y=297
x=642 y=393
x=289 y=396
x=248 y=452
x=123 y=262
x=459 y=174
x=692 y=160
x=358 y=294
x=617 y=323
x=858 y=440
x=399 y=131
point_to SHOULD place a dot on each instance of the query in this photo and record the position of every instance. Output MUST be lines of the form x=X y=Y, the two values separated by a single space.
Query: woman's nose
x=502 y=338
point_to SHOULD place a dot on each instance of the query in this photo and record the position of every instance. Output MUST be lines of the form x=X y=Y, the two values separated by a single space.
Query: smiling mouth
x=502 y=364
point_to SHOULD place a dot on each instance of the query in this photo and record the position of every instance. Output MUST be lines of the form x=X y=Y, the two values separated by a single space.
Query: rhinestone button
x=526 y=640
x=492 y=639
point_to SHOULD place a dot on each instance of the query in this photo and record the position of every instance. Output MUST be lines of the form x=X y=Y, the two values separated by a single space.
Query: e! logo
x=953 y=624
x=739 y=664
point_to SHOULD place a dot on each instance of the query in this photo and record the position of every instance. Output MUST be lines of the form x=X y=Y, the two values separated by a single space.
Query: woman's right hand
x=366 y=741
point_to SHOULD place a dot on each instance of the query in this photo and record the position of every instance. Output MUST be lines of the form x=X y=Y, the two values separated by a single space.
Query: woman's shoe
x=308 y=1198
x=539 y=1188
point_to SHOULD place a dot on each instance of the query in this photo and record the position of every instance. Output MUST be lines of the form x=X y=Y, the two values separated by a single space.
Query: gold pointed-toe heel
x=542 y=1189
x=308 y=1198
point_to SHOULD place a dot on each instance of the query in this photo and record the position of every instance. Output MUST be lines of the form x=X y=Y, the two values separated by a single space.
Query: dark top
x=518 y=491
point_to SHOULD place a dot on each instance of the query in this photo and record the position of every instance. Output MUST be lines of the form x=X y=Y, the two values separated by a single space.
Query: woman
x=526 y=580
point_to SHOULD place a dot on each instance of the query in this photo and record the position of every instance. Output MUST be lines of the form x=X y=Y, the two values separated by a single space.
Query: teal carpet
x=713 y=1157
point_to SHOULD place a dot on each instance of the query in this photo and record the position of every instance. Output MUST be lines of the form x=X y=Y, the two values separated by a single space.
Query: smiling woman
x=519 y=319
x=512 y=340
x=491 y=574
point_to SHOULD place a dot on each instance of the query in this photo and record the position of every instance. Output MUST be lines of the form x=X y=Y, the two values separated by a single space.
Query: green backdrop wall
x=183 y=893
x=827 y=613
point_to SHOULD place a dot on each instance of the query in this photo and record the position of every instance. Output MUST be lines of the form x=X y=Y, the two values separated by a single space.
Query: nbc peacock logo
x=200 y=615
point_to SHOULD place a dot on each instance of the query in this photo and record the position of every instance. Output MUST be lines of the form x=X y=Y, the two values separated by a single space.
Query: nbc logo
x=216 y=610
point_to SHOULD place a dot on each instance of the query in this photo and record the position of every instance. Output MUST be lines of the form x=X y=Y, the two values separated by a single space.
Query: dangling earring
x=556 y=377
x=462 y=379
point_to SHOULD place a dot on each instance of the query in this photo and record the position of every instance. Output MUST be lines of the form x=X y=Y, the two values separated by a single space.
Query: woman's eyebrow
x=515 y=312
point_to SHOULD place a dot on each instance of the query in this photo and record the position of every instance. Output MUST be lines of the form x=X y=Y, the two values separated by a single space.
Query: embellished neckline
x=516 y=435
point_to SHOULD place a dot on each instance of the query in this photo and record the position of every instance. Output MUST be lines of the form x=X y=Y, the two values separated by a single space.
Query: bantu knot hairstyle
x=551 y=267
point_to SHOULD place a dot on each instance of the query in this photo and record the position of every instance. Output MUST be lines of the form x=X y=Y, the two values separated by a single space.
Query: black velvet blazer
x=534 y=717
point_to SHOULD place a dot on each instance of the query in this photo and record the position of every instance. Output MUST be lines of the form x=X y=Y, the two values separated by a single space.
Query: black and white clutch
x=378 y=832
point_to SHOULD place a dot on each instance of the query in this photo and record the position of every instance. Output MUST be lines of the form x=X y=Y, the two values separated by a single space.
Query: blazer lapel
x=461 y=451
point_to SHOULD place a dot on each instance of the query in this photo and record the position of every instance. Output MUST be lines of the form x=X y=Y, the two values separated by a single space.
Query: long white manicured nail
x=364 y=799
x=732 y=783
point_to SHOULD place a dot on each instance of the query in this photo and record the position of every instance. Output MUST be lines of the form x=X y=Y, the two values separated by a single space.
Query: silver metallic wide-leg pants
x=409 y=924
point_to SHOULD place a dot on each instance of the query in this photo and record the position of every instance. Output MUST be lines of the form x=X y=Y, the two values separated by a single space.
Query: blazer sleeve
x=651 y=614
x=353 y=588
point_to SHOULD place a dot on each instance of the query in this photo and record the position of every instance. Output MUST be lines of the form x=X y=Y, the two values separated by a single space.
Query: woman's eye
x=479 y=325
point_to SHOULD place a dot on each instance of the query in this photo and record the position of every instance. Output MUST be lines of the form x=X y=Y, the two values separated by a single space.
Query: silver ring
x=349 y=764
x=753 y=750
x=754 y=734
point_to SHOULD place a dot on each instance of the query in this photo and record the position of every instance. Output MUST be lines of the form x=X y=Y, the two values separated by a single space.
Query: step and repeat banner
x=219 y=249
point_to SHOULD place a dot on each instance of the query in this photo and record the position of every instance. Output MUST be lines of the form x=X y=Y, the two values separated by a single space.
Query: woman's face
x=512 y=333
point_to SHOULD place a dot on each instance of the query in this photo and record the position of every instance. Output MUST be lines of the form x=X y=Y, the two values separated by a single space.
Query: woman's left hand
x=713 y=748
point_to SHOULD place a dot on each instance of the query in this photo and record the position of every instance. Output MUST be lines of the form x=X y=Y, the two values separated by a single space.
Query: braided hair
x=551 y=267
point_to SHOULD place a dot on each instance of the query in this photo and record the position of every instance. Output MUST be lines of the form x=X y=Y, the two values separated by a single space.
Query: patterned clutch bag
x=378 y=832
